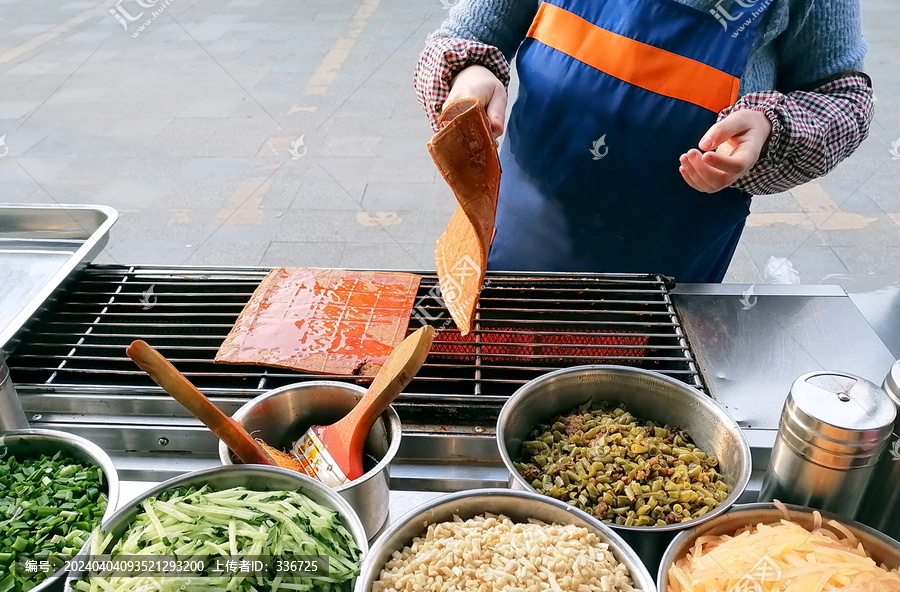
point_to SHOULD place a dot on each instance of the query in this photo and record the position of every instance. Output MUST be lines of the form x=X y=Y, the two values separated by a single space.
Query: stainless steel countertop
x=751 y=346
x=882 y=309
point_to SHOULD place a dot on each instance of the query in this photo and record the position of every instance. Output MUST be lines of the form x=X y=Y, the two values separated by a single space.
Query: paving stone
x=78 y=95
x=219 y=108
x=247 y=253
x=813 y=263
x=134 y=251
x=16 y=109
x=380 y=256
x=779 y=202
x=779 y=233
x=173 y=136
x=353 y=146
x=880 y=263
x=742 y=269
x=401 y=196
x=139 y=127
x=883 y=231
x=351 y=226
x=33 y=68
x=328 y=195
x=299 y=254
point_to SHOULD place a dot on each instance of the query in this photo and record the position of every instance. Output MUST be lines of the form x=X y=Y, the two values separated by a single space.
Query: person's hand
x=730 y=149
x=480 y=83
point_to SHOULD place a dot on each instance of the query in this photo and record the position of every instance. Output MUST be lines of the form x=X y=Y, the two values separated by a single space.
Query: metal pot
x=258 y=477
x=647 y=395
x=881 y=505
x=517 y=505
x=883 y=549
x=282 y=415
x=34 y=442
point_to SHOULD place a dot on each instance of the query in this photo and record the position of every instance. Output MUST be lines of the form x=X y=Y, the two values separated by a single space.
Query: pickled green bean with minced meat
x=622 y=469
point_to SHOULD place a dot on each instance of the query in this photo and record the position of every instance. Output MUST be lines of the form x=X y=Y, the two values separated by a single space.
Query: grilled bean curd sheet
x=622 y=469
x=491 y=552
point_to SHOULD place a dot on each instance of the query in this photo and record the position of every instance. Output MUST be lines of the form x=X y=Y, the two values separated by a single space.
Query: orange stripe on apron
x=642 y=65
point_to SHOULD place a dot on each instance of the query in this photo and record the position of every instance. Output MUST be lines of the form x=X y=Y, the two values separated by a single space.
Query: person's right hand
x=480 y=83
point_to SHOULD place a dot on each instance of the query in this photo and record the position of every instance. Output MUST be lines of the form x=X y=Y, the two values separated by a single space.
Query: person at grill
x=642 y=127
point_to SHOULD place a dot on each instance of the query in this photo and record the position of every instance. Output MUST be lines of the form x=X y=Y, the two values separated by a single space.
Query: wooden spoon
x=174 y=382
x=334 y=453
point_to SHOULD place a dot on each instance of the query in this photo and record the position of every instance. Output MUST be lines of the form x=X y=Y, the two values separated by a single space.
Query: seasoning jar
x=881 y=506
x=833 y=429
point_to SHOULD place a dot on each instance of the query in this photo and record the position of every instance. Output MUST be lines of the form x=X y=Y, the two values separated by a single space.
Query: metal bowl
x=517 y=505
x=283 y=415
x=34 y=442
x=648 y=395
x=256 y=477
x=883 y=549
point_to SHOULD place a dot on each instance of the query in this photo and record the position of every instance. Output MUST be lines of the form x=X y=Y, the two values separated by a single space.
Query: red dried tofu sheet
x=325 y=321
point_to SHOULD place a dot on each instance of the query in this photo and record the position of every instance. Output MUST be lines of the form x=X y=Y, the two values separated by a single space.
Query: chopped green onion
x=48 y=507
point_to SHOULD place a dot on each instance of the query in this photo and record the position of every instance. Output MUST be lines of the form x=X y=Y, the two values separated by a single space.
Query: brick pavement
x=256 y=132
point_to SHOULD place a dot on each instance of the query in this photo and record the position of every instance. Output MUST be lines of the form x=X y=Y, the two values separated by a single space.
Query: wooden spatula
x=229 y=431
x=334 y=453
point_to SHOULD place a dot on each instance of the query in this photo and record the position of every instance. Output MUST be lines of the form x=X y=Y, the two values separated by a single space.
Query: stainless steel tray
x=40 y=246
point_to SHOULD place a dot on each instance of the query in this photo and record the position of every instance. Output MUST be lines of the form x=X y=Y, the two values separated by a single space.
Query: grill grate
x=527 y=325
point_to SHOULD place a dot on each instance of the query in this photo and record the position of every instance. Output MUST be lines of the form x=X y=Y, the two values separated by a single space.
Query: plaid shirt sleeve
x=444 y=58
x=811 y=131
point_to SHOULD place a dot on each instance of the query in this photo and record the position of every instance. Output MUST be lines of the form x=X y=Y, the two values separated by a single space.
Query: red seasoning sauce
x=325 y=321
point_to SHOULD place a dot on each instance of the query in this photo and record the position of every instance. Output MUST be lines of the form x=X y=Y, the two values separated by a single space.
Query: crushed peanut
x=490 y=553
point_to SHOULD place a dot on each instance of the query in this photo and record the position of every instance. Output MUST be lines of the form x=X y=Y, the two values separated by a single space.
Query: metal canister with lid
x=11 y=415
x=881 y=506
x=833 y=429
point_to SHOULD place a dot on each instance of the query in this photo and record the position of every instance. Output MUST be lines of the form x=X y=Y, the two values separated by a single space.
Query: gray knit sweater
x=799 y=43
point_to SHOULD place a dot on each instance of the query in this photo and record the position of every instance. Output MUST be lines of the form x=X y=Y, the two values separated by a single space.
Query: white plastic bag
x=779 y=270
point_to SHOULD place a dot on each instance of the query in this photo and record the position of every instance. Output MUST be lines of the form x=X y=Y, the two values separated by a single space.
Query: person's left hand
x=730 y=149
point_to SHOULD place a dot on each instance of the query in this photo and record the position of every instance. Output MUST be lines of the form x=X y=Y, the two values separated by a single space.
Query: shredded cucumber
x=189 y=523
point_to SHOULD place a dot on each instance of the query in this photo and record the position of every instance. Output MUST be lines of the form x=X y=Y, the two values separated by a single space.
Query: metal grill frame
x=121 y=410
x=108 y=304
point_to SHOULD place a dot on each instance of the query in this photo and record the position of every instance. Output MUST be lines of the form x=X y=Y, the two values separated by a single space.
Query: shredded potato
x=781 y=557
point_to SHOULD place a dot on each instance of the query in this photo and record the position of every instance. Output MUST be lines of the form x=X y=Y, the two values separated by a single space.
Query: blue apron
x=590 y=163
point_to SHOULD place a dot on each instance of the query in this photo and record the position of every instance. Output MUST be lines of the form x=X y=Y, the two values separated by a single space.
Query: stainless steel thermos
x=881 y=505
x=11 y=415
x=833 y=429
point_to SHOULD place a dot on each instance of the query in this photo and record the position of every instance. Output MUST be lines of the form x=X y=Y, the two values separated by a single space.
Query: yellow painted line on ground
x=813 y=198
x=53 y=33
x=819 y=211
x=243 y=208
x=798 y=219
x=278 y=144
x=340 y=51
x=299 y=109
x=373 y=219
x=820 y=220
x=842 y=221
x=182 y=217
